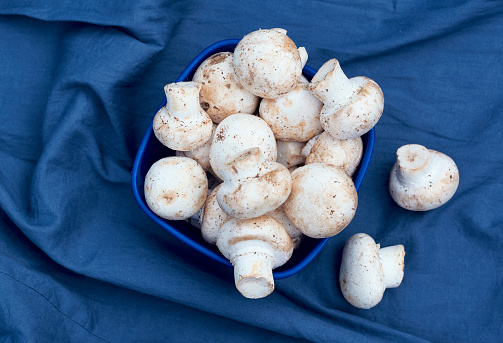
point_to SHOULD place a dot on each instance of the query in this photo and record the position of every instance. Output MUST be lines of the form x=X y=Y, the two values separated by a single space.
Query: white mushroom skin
x=267 y=63
x=238 y=133
x=182 y=124
x=351 y=107
x=202 y=154
x=345 y=154
x=252 y=186
x=221 y=96
x=175 y=188
x=306 y=150
x=294 y=233
x=294 y=116
x=323 y=200
x=212 y=217
x=422 y=179
x=254 y=247
x=290 y=153
x=366 y=270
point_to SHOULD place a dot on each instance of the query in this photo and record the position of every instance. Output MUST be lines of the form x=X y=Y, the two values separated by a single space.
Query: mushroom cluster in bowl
x=252 y=130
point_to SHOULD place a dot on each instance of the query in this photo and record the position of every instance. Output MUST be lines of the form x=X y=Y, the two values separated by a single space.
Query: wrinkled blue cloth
x=80 y=82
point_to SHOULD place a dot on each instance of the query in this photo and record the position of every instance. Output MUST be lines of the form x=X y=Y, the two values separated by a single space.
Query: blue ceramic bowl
x=151 y=150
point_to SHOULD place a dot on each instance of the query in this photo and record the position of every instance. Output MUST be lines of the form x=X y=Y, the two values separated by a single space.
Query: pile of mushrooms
x=264 y=157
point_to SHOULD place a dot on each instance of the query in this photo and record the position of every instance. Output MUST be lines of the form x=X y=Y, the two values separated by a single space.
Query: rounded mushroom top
x=345 y=154
x=175 y=188
x=323 y=200
x=238 y=133
x=361 y=275
x=221 y=95
x=294 y=116
x=261 y=235
x=267 y=63
x=213 y=217
x=422 y=179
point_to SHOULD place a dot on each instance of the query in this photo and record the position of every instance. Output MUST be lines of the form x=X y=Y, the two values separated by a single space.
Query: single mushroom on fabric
x=238 y=133
x=294 y=116
x=253 y=186
x=343 y=153
x=367 y=270
x=267 y=63
x=221 y=96
x=254 y=247
x=351 y=107
x=175 y=188
x=422 y=179
x=182 y=124
x=323 y=200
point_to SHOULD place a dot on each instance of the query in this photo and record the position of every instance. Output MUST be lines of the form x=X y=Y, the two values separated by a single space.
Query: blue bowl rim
x=227 y=45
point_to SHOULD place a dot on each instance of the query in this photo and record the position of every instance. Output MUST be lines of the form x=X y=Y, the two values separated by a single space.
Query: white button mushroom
x=238 y=133
x=366 y=270
x=294 y=116
x=290 y=153
x=220 y=94
x=323 y=200
x=294 y=233
x=351 y=106
x=213 y=217
x=254 y=247
x=422 y=179
x=306 y=150
x=175 y=187
x=252 y=186
x=182 y=124
x=345 y=154
x=267 y=63
x=202 y=154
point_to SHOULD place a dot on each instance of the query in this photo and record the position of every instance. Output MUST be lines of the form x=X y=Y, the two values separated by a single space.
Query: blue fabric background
x=80 y=262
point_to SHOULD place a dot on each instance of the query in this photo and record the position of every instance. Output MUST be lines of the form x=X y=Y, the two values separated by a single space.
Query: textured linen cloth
x=80 y=81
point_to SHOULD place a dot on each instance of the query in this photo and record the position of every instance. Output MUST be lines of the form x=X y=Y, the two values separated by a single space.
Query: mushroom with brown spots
x=343 y=153
x=254 y=247
x=212 y=217
x=202 y=154
x=221 y=96
x=267 y=63
x=368 y=270
x=323 y=200
x=294 y=116
x=175 y=188
x=351 y=107
x=253 y=186
x=182 y=124
x=422 y=179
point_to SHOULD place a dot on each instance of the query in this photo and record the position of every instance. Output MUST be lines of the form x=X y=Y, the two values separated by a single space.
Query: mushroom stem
x=392 y=262
x=253 y=275
x=182 y=99
x=303 y=55
x=245 y=165
x=330 y=84
x=413 y=163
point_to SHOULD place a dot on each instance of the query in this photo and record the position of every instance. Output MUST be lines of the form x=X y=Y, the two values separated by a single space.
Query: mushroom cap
x=345 y=154
x=358 y=114
x=294 y=116
x=182 y=124
x=432 y=178
x=253 y=187
x=212 y=217
x=294 y=233
x=202 y=154
x=175 y=188
x=267 y=63
x=220 y=94
x=361 y=275
x=255 y=235
x=238 y=133
x=306 y=150
x=323 y=200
